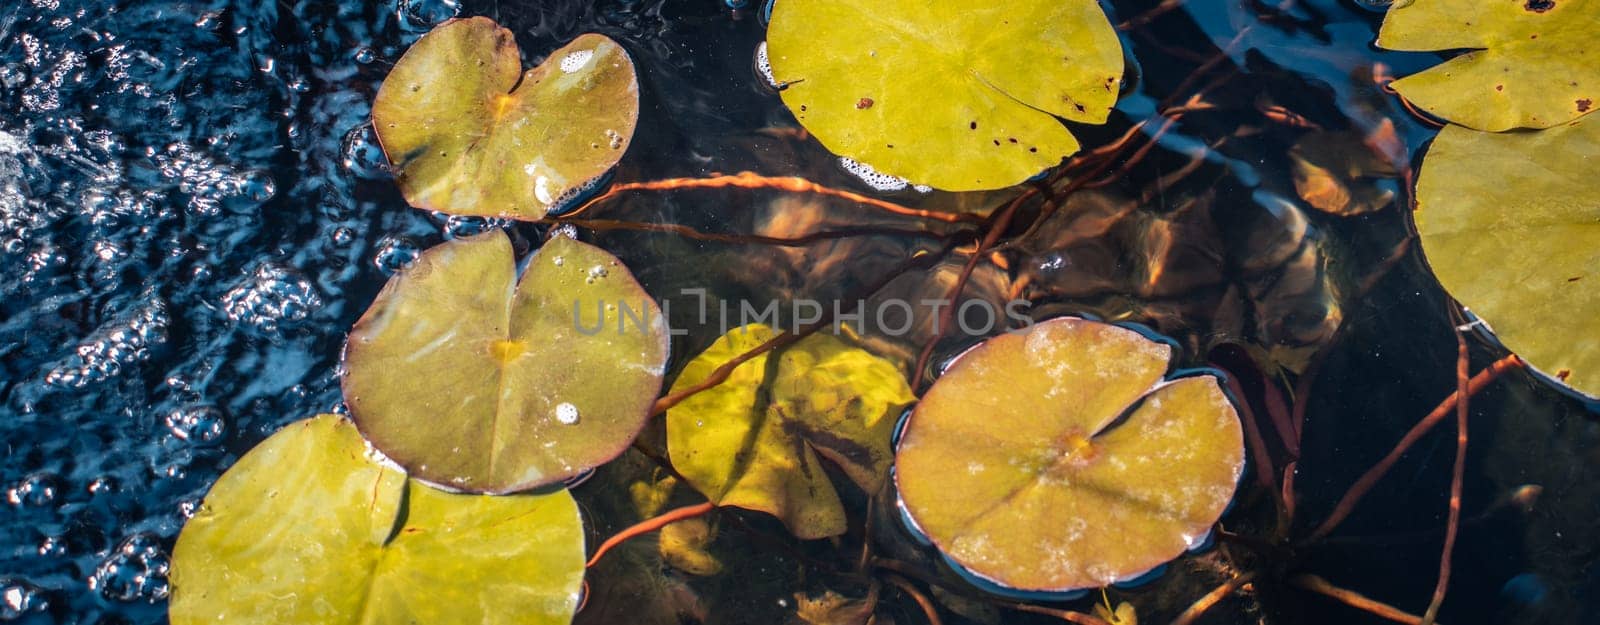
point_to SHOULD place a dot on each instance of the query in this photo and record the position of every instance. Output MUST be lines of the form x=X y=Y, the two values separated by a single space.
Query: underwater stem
x=650 y=525
x=1198 y=609
x=793 y=184
x=1371 y=477
x=1353 y=599
x=1453 y=525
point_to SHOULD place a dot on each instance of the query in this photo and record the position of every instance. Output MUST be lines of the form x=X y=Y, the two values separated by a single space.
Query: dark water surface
x=193 y=213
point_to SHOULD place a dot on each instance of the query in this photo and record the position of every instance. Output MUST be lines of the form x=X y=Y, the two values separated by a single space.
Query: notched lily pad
x=1521 y=247
x=1059 y=458
x=309 y=528
x=1530 y=63
x=754 y=441
x=956 y=95
x=469 y=133
x=477 y=381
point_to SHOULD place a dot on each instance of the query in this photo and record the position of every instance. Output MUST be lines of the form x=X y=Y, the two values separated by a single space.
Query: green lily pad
x=475 y=380
x=469 y=133
x=1057 y=457
x=754 y=440
x=309 y=528
x=1531 y=63
x=956 y=95
x=1521 y=247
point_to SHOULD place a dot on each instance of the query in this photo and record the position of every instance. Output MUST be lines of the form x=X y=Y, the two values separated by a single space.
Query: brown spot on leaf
x=1574 y=278
x=1584 y=104
x=863 y=104
x=1539 y=6
x=973 y=125
x=997 y=142
x=1499 y=87
x=1011 y=139
x=1563 y=374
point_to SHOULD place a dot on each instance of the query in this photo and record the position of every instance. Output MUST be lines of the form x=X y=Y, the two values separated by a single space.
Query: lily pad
x=469 y=133
x=1530 y=63
x=754 y=441
x=1521 y=247
x=956 y=95
x=309 y=528
x=1058 y=458
x=475 y=380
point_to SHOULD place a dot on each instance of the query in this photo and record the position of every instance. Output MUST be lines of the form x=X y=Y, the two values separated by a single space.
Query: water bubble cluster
x=271 y=297
x=115 y=346
x=425 y=14
x=210 y=184
x=38 y=490
x=199 y=424
x=135 y=571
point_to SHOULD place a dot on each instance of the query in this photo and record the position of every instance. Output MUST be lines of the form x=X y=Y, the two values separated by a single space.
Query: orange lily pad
x=1062 y=457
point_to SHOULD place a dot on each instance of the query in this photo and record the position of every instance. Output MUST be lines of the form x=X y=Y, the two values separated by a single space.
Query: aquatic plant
x=469 y=133
x=903 y=85
x=475 y=378
x=310 y=527
x=1058 y=458
x=1529 y=64
x=754 y=440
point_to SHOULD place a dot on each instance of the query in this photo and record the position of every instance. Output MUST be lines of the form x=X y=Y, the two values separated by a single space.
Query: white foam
x=874 y=178
x=576 y=60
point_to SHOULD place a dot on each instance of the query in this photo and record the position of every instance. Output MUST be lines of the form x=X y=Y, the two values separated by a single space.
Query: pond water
x=193 y=212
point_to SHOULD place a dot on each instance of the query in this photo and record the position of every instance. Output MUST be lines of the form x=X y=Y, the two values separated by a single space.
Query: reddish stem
x=1453 y=525
x=1198 y=609
x=793 y=184
x=650 y=525
x=1371 y=477
x=1353 y=599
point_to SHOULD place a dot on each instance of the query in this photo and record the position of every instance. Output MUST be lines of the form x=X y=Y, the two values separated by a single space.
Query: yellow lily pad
x=1530 y=63
x=960 y=96
x=1058 y=457
x=469 y=133
x=1510 y=225
x=478 y=381
x=754 y=440
x=309 y=528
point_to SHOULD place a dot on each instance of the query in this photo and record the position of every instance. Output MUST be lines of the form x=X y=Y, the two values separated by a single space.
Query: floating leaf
x=754 y=440
x=472 y=379
x=1057 y=458
x=1531 y=63
x=1336 y=172
x=308 y=528
x=1510 y=224
x=957 y=95
x=468 y=133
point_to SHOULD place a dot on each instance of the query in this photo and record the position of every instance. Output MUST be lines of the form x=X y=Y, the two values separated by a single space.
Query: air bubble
x=425 y=14
x=113 y=347
x=462 y=226
x=395 y=253
x=361 y=154
x=567 y=414
x=19 y=598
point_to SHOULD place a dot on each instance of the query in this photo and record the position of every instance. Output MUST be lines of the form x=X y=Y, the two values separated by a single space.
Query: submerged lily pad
x=1058 y=458
x=754 y=440
x=956 y=95
x=475 y=380
x=469 y=133
x=309 y=528
x=1520 y=247
x=1530 y=63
